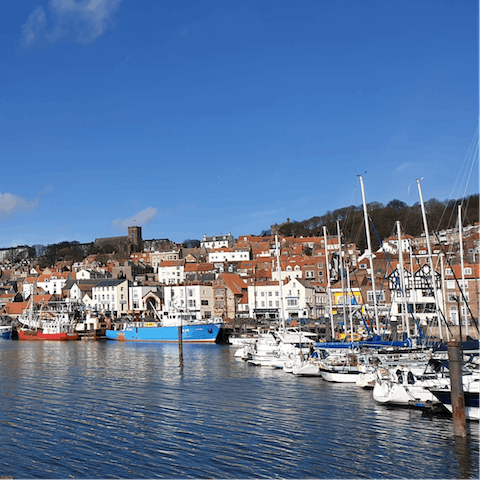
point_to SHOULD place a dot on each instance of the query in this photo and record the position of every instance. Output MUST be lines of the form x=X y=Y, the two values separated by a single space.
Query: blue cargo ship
x=194 y=331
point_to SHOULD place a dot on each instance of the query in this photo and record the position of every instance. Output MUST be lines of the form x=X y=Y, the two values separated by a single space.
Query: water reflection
x=463 y=452
x=116 y=410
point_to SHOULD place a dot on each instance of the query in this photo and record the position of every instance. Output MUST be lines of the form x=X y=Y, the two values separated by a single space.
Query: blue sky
x=190 y=117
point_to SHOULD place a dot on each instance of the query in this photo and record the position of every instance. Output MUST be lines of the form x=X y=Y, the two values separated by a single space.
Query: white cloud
x=139 y=219
x=33 y=27
x=11 y=205
x=403 y=166
x=86 y=20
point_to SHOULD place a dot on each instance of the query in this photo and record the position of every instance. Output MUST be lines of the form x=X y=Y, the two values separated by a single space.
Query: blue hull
x=199 y=333
x=445 y=396
x=366 y=343
x=6 y=335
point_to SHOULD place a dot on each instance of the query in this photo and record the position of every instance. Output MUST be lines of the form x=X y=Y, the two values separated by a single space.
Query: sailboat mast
x=280 y=283
x=460 y=238
x=429 y=250
x=341 y=275
x=370 y=255
x=329 y=288
x=413 y=291
x=402 y=281
x=350 y=296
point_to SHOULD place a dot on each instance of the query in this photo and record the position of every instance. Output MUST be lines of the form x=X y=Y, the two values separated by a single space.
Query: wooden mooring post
x=456 y=389
x=180 y=344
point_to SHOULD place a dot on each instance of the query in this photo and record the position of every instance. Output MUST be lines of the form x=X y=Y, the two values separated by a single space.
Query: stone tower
x=135 y=238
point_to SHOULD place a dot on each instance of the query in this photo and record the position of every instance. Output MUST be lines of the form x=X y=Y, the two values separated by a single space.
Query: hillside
x=440 y=215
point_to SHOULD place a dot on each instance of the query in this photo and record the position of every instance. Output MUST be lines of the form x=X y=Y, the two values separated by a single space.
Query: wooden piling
x=180 y=344
x=456 y=388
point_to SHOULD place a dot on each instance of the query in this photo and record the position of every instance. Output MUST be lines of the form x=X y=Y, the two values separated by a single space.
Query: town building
x=217 y=241
x=110 y=296
x=171 y=272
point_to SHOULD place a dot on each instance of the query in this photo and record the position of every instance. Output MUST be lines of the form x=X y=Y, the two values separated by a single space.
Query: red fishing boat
x=46 y=333
x=55 y=324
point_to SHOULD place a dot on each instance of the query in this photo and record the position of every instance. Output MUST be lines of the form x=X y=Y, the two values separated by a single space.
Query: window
x=380 y=296
x=363 y=266
x=205 y=302
x=320 y=265
x=451 y=297
x=450 y=284
x=292 y=302
x=467 y=270
x=448 y=271
x=269 y=294
x=270 y=303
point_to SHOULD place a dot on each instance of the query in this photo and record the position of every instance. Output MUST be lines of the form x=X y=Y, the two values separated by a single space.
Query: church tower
x=135 y=238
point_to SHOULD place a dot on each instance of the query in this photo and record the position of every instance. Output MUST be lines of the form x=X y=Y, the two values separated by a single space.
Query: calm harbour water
x=128 y=410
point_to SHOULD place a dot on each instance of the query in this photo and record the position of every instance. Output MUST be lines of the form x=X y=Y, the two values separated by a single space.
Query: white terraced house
x=110 y=296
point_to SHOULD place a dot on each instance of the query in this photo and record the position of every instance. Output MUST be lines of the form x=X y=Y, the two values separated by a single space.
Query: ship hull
x=6 y=333
x=39 y=335
x=472 y=410
x=197 y=333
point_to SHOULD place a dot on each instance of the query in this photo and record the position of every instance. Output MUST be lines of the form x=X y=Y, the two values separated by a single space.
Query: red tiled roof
x=199 y=267
x=244 y=299
x=234 y=282
x=7 y=295
x=172 y=263
x=457 y=271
